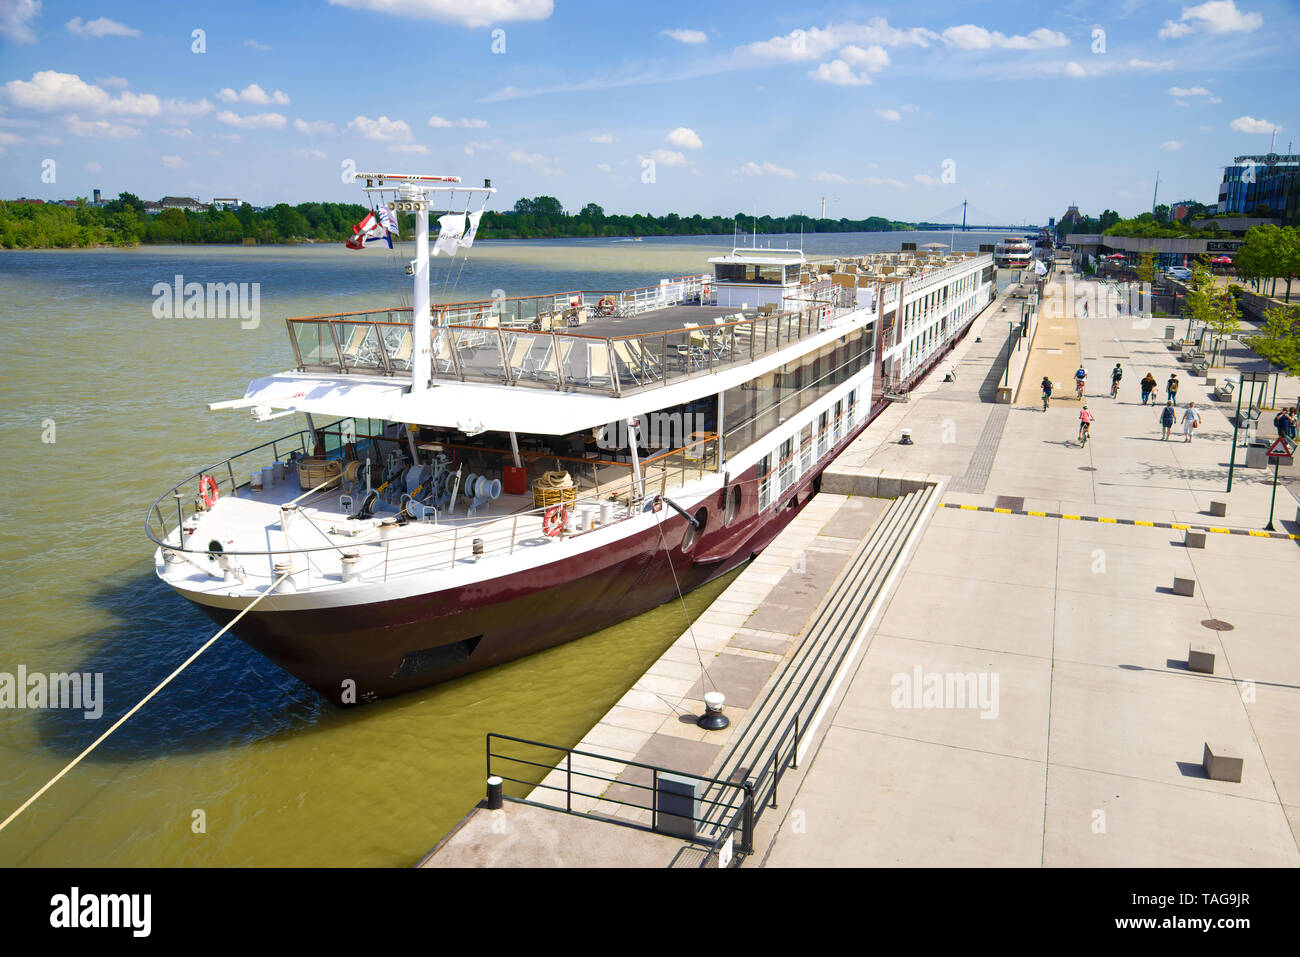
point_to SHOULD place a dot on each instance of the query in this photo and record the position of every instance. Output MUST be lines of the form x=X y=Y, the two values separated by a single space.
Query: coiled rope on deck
x=142 y=702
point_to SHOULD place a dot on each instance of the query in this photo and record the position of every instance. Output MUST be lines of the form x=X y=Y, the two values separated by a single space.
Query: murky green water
x=280 y=777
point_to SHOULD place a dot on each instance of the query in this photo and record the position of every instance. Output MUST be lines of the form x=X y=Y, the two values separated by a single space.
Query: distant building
x=1262 y=185
x=152 y=208
x=185 y=203
x=35 y=202
x=1072 y=216
x=230 y=204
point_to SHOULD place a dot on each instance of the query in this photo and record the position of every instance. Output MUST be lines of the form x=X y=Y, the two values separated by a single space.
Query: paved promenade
x=1089 y=753
x=1081 y=741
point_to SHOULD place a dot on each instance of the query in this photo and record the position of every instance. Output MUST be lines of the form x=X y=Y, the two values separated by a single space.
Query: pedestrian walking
x=1149 y=385
x=1167 y=417
x=1171 y=389
x=1292 y=424
x=1191 y=421
x=1282 y=422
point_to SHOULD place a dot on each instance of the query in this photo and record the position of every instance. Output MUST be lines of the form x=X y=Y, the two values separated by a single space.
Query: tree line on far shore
x=124 y=222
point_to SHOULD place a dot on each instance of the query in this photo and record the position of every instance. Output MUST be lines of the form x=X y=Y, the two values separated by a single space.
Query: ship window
x=692 y=533
x=733 y=505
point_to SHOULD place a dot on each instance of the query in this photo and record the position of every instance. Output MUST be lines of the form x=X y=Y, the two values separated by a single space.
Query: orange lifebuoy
x=606 y=306
x=553 y=519
x=208 y=491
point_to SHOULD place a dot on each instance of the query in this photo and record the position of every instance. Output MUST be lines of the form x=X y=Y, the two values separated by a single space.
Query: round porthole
x=692 y=532
x=733 y=505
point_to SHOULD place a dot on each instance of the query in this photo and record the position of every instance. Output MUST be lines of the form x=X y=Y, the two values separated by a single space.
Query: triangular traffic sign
x=1279 y=448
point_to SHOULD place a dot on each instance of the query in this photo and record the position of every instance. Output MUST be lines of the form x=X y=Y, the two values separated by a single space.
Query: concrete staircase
x=783 y=723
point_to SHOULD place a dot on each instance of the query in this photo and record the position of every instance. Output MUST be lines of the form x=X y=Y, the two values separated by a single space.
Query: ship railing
x=627 y=793
x=451 y=542
x=622 y=365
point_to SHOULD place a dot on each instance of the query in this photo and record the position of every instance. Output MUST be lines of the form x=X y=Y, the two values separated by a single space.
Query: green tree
x=1279 y=338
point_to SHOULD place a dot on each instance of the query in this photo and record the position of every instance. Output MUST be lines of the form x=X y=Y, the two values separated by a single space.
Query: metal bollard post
x=494 y=799
x=747 y=825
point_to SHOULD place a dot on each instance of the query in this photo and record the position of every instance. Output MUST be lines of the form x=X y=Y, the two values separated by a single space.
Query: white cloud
x=312 y=154
x=408 y=148
x=15 y=17
x=253 y=94
x=253 y=121
x=814 y=43
x=1217 y=16
x=1188 y=91
x=891 y=116
x=604 y=167
x=438 y=122
x=173 y=162
x=1248 y=124
x=766 y=169
x=839 y=73
x=315 y=127
x=824 y=177
x=10 y=138
x=1073 y=69
x=114 y=82
x=1216 y=99
x=93 y=167
x=883 y=181
x=686 y=36
x=228 y=137
x=258 y=46
x=103 y=27
x=1171 y=145
x=479 y=13
x=1181 y=103
x=382 y=129
x=50 y=90
x=971 y=37
x=478 y=146
x=543 y=164
x=48 y=140
x=603 y=138
x=178 y=133
x=1206 y=129
x=685 y=138
x=100 y=129
x=873 y=59
x=925 y=179
x=665 y=158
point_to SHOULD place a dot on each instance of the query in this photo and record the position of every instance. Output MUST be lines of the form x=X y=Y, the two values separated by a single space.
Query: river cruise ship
x=1013 y=252
x=476 y=481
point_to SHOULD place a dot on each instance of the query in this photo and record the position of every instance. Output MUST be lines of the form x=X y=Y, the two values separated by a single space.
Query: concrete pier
x=1022 y=695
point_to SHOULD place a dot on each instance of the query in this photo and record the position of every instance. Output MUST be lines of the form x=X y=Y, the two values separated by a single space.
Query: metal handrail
x=743 y=817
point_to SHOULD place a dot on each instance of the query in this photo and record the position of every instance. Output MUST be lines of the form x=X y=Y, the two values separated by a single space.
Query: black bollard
x=494 y=800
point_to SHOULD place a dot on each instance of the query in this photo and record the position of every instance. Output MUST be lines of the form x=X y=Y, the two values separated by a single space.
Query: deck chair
x=519 y=353
x=442 y=361
x=354 y=344
x=399 y=350
x=548 y=368
x=598 y=364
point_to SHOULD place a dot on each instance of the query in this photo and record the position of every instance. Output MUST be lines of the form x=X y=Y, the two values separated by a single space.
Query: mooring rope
x=142 y=702
x=690 y=627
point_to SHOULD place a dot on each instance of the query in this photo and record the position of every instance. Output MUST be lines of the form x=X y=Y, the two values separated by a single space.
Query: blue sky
x=897 y=109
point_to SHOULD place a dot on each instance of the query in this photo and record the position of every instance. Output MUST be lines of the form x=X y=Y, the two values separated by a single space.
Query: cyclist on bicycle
x=1085 y=424
x=1116 y=374
x=1047 y=392
x=1080 y=378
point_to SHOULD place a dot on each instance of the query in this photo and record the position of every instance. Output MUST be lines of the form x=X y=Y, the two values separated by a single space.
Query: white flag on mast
x=474 y=217
x=450 y=230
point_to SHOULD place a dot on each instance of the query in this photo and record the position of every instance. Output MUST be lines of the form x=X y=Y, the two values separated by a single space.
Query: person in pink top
x=1085 y=422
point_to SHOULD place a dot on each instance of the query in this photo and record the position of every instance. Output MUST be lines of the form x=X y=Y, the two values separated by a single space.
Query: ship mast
x=417 y=195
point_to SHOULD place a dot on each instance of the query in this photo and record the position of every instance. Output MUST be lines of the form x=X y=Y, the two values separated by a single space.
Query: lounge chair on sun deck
x=399 y=350
x=547 y=368
x=519 y=358
x=598 y=364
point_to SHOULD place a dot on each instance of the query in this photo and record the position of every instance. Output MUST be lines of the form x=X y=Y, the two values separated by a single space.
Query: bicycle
x=1078 y=388
x=1114 y=388
x=1047 y=400
x=1085 y=429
